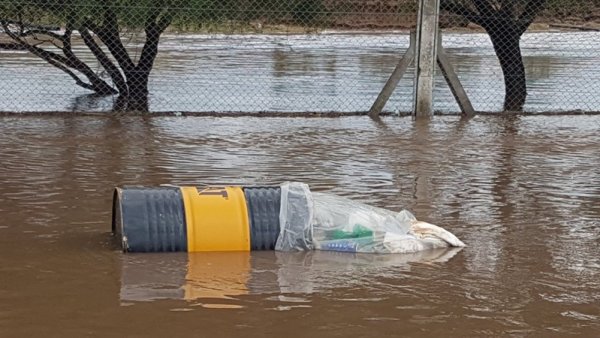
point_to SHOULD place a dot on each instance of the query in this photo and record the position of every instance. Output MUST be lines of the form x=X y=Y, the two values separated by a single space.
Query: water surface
x=522 y=192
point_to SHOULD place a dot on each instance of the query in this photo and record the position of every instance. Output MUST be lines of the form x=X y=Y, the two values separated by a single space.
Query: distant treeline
x=351 y=13
x=198 y=14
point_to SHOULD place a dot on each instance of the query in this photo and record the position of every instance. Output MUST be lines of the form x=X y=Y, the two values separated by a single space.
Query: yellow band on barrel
x=217 y=219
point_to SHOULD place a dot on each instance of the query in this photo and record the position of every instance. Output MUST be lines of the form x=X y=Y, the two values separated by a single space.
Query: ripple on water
x=522 y=192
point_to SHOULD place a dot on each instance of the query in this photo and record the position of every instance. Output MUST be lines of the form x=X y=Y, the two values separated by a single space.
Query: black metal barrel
x=153 y=219
x=263 y=205
x=149 y=219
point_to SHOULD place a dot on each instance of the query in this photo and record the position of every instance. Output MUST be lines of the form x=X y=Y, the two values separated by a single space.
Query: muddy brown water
x=523 y=193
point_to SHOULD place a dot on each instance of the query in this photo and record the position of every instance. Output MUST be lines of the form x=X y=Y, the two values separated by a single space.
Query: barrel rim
x=115 y=208
x=117 y=217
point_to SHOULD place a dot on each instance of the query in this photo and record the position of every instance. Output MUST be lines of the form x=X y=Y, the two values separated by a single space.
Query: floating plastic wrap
x=320 y=221
x=295 y=218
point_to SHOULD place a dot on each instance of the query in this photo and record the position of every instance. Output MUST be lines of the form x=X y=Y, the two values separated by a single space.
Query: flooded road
x=320 y=73
x=523 y=193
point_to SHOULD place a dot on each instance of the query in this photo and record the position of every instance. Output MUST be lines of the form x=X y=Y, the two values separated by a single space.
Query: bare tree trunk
x=506 y=43
x=136 y=99
x=500 y=20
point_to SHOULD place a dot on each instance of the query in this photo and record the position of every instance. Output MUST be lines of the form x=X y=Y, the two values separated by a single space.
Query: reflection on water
x=179 y=276
x=328 y=72
x=224 y=275
x=522 y=192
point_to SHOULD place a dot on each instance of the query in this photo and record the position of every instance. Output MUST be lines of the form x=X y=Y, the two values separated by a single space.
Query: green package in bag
x=358 y=231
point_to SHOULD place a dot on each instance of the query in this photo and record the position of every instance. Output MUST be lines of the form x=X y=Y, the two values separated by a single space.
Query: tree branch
x=30 y=25
x=165 y=20
x=44 y=54
x=76 y=62
x=52 y=58
x=151 y=19
x=109 y=35
x=62 y=62
x=463 y=11
x=485 y=8
x=507 y=9
x=110 y=67
x=37 y=37
x=34 y=32
x=531 y=11
x=78 y=81
x=153 y=31
x=11 y=46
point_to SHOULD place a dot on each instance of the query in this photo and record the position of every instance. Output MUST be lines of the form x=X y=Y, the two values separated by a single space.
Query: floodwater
x=522 y=192
x=321 y=73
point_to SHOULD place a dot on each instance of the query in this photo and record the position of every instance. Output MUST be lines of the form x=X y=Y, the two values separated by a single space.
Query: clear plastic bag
x=341 y=224
x=295 y=218
x=328 y=222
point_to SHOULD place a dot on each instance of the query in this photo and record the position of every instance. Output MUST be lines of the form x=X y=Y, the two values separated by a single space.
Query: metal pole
x=392 y=82
x=453 y=82
x=426 y=57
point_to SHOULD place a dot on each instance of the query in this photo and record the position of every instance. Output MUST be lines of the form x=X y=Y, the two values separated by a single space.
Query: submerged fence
x=291 y=56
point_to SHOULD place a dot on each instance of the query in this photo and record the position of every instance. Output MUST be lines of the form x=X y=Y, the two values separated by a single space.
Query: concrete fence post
x=426 y=57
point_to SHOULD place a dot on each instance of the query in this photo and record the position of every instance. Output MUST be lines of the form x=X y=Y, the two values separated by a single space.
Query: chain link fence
x=290 y=56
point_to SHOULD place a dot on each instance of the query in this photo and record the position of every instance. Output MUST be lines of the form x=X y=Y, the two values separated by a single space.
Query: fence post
x=426 y=57
x=452 y=80
x=393 y=80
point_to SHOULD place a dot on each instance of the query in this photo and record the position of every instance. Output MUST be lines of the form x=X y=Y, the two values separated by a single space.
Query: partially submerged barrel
x=162 y=219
